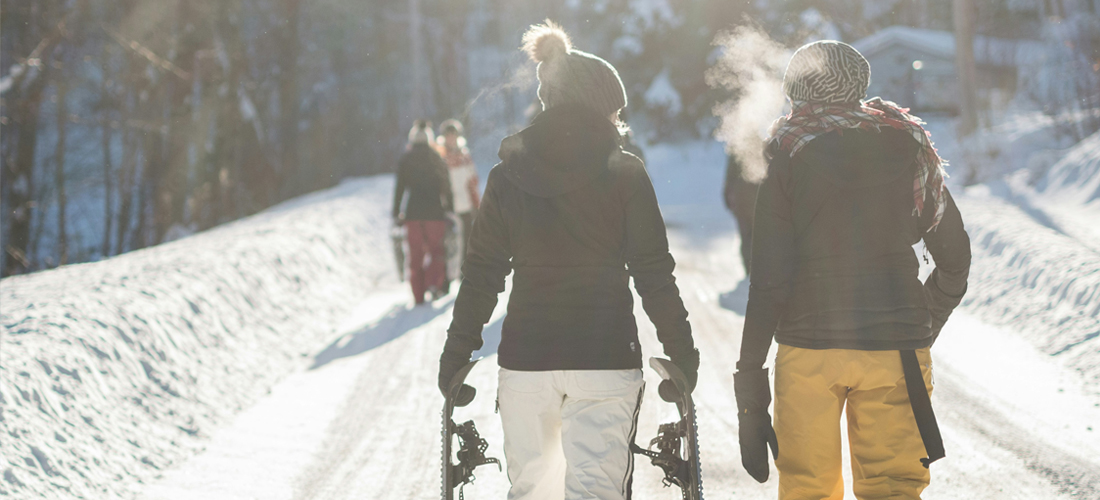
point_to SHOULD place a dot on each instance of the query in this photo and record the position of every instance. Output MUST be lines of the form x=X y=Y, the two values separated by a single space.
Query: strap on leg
x=922 y=408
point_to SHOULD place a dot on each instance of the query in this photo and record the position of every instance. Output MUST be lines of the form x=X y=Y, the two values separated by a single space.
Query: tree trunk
x=228 y=138
x=965 y=17
x=125 y=188
x=170 y=178
x=59 y=171
x=452 y=73
x=152 y=171
x=20 y=136
x=289 y=101
x=105 y=95
x=131 y=148
x=20 y=169
x=419 y=91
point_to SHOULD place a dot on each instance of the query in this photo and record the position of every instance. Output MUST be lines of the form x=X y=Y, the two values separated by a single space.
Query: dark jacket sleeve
x=950 y=247
x=774 y=261
x=399 y=189
x=488 y=262
x=650 y=264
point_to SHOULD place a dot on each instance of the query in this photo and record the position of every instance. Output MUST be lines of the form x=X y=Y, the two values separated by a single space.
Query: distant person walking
x=740 y=197
x=852 y=184
x=575 y=217
x=464 y=181
x=423 y=174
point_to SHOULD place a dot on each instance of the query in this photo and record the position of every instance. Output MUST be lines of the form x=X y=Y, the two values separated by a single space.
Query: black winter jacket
x=424 y=174
x=575 y=217
x=833 y=265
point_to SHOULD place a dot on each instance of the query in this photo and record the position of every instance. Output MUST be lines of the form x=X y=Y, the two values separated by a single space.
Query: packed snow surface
x=284 y=346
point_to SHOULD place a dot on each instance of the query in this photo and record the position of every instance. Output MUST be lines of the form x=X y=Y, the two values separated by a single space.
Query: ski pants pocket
x=525 y=382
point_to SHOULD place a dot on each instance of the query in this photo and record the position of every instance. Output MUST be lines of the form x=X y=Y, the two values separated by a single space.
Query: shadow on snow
x=397 y=322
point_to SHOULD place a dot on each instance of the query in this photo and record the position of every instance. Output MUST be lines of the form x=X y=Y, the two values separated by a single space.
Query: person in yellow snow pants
x=812 y=387
x=852 y=184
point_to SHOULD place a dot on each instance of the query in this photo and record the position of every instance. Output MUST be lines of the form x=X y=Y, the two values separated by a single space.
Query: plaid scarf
x=808 y=120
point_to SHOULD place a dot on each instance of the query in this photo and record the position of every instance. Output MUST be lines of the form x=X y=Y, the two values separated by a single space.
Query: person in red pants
x=423 y=174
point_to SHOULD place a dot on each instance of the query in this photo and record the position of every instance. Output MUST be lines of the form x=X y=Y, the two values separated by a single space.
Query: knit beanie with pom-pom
x=568 y=75
x=421 y=133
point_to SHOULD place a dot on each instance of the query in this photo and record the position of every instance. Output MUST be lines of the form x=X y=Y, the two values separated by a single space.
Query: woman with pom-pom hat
x=575 y=218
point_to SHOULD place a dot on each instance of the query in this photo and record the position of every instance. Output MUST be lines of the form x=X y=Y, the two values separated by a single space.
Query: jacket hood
x=854 y=158
x=565 y=148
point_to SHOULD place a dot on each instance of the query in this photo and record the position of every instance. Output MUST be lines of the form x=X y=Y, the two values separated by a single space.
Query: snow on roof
x=987 y=50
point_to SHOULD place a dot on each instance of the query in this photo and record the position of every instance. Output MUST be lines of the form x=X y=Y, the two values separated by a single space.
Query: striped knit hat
x=827 y=72
x=568 y=75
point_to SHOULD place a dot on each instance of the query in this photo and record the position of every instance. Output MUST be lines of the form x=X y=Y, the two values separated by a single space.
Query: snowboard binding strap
x=667 y=456
x=471 y=455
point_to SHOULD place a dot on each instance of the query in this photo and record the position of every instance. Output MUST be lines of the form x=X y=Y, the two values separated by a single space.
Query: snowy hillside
x=112 y=370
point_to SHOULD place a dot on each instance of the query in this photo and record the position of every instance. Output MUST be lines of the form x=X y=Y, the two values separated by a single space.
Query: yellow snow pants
x=811 y=388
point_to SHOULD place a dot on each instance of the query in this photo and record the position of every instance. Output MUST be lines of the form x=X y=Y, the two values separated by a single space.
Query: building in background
x=916 y=67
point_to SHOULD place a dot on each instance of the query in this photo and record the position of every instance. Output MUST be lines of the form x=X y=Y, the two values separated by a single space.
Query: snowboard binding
x=471 y=454
x=471 y=446
x=677 y=443
x=667 y=456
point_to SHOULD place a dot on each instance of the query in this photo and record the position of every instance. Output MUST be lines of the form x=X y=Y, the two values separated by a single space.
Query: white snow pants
x=567 y=434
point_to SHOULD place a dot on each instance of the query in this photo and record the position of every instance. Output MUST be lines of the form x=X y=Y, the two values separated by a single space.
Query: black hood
x=861 y=158
x=565 y=148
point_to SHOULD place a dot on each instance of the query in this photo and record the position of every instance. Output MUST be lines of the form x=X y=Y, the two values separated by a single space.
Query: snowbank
x=1034 y=233
x=110 y=371
x=1042 y=283
x=1069 y=193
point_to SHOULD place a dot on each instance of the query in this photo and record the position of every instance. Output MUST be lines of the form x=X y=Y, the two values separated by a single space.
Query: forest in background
x=127 y=123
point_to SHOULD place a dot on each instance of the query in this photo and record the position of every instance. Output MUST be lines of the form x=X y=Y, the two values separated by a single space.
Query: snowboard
x=471 y=446
x=677 y=443
x=452 y=246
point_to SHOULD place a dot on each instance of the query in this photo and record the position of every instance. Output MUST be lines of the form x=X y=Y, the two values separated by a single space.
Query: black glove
x=449 y=364
x=755 y=430
x=688 y=363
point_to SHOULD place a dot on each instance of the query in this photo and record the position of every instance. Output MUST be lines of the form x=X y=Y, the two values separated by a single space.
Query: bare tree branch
x=146 y=53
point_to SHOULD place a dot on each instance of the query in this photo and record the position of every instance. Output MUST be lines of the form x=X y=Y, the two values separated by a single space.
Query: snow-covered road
x=363 y=422
x=305 y=295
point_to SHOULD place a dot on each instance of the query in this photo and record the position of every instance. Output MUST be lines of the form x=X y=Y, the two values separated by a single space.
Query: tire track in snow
x=378 y=436
x=971 y=414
